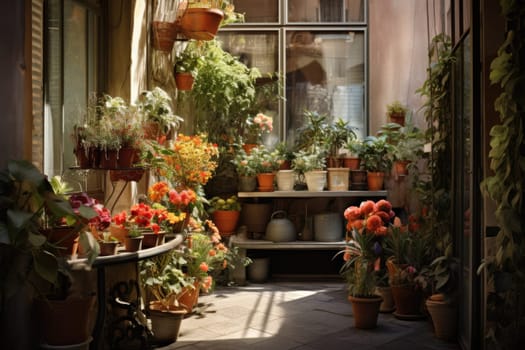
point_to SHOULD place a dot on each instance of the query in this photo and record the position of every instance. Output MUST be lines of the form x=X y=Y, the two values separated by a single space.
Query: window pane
x=327 y=11
x=260 y=11
x=325 y=73
x=259 y=49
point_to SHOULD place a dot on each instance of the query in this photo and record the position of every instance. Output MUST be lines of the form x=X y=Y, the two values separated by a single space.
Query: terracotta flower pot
x=408 y=301
x=444 y=319
x=201 y=23
x=133 y=244
x=108 y=248
x=351 y=163
x=189 y=297
x=65 y=238
x=400 y=167
x=184 y=81
x=265 y=182
x=226 y=221
x=149 y=240
x=365 y=311
x=375 y=180
x=165 y=324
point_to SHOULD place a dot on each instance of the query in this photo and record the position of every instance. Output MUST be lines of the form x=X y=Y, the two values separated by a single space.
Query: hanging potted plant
x=363 y=254
x=186 y=63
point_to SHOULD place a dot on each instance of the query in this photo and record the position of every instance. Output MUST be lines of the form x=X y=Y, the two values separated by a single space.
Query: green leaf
x=46 y=265
x=36 y=240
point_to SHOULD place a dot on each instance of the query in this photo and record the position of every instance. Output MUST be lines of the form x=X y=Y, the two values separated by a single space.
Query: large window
x=319 y=48
x=71 y=74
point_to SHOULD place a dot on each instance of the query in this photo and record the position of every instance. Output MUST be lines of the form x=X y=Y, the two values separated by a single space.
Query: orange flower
x=367 y=207
x=373 y=223
x=352 y=213
x=212 y=252
x=203 y=267
x=346 y=255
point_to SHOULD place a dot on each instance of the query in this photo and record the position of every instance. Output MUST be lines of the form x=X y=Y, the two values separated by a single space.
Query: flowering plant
x=177 y=204
x=363 y=255
x=187 y=163
x=258 y=125
x=142 y=217
x=264 y=160
x=245 y=163
x=102 y=220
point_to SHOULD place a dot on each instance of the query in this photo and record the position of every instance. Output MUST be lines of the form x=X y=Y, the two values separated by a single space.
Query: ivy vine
x=506 y=305
x=434 y=191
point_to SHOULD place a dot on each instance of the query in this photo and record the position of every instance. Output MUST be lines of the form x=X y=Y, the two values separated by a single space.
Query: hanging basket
x=184 y=81
x=201 y=23
x=163 y=35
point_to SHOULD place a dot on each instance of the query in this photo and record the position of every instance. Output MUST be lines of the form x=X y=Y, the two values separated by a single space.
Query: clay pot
x=226 y=221
x=184 y=81
x=365 y=311
x=375 y=180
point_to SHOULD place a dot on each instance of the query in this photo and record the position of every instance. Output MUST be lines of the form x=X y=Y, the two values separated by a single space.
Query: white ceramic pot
x=338 y=179
x=285 y=180
x=315 y=180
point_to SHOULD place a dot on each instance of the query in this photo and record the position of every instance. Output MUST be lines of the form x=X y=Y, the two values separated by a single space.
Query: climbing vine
x=434 y=191
x=506 y=305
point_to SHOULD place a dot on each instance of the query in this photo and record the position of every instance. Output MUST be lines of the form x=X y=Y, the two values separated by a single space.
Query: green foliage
x=396 y=107
x=188 y=59
x=155 y=105
x=407 y=141
x=338 y=135
x=223 y=93
x=304 y=161
x=312 y=135
x=506 y=315
x=376 y=154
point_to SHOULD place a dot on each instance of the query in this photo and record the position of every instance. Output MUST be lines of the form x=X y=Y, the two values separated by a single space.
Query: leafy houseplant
x=157 y=114
x=407 y=143
x=397 y=112
x=186 y=63
x=338 y=135
x=363 y=255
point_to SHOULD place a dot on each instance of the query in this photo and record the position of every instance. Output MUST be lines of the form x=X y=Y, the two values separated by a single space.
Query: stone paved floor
x=294 y=315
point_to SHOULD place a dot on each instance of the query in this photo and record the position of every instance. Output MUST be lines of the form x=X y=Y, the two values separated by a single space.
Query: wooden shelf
x=295 y=245
x=311 y=194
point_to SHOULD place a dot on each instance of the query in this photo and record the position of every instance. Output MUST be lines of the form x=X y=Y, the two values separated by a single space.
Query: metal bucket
x=328 y=227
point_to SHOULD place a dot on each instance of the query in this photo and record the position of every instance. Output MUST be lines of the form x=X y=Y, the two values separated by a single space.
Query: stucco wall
x=398 y=41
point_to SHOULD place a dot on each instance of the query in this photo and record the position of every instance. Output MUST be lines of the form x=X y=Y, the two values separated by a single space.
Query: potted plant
x=246 y=167
x=407 y=145
x=311 y=165
x=376 y=160
x=108 y=244
x=396 y=111
x=164 y=282
x=267 y=162
x=202 y=18
x=159 y=121
x=366 y=231
x=225 y=214
x=339 y=134
x=173 y=208
x=255 y=127
x=186 y=63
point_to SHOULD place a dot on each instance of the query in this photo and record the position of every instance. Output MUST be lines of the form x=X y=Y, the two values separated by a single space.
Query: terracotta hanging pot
x=375 y=180
x=201 y=23
x=184 y=81
x=163 y=35
x=365 y=311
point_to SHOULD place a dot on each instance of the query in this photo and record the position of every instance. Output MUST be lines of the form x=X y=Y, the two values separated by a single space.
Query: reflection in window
x=325 y=11
x=325 y=73
x=260 y=11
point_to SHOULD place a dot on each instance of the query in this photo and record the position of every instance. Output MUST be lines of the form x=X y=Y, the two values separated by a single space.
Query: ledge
x=125 y=257
x=295 y=245
x=311 y=194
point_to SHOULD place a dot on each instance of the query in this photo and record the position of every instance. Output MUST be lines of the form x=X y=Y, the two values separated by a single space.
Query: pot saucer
x=265 y=189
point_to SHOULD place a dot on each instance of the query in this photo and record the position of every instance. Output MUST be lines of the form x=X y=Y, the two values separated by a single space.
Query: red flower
x=384 y=205
x=373 y=223
x=367 y=207
x=352 y=213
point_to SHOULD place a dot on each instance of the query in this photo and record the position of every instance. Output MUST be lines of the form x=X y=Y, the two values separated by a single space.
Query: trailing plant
x=434 y=191
x=506 y=315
